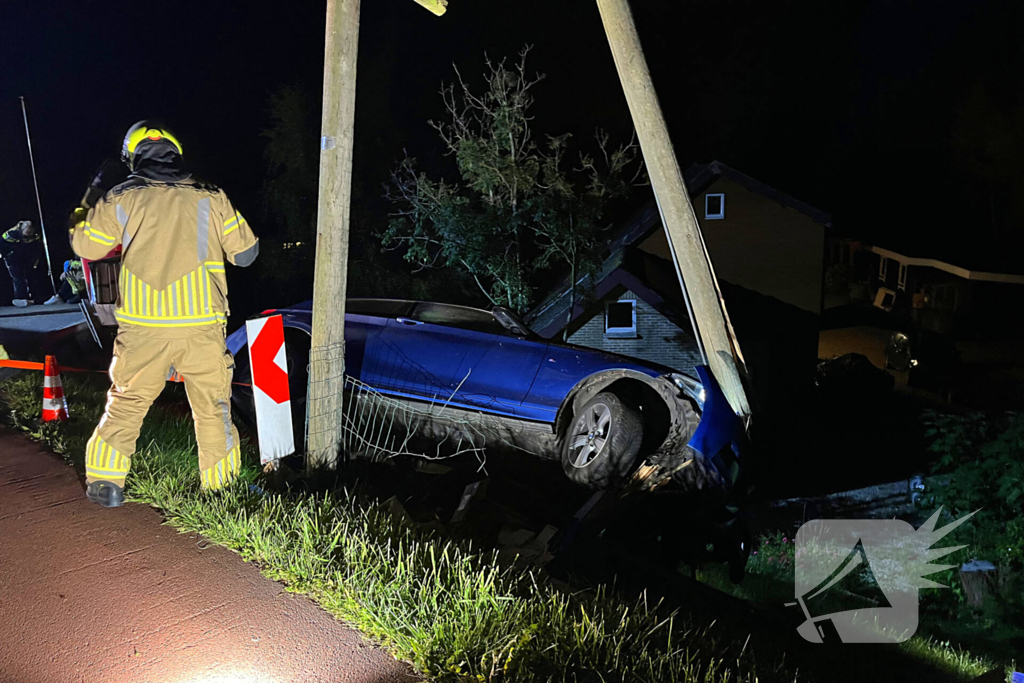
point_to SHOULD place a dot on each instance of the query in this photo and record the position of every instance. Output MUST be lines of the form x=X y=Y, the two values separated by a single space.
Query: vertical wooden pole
x=689 y=254
x=327 y=360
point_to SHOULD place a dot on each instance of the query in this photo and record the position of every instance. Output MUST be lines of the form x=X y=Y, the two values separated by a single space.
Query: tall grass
x=455 y=612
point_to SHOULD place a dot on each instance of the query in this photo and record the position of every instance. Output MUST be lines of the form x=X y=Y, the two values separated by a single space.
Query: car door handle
x=409 y=321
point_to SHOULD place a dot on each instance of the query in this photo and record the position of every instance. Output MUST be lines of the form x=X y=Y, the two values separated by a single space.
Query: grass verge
x=454 y=612
x=457 y=613
x=769 y=581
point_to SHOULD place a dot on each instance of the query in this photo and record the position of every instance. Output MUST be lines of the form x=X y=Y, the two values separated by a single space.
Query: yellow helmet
x=144 y=134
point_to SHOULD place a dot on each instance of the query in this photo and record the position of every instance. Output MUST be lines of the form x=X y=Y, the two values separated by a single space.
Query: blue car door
x=365 y=350
x=561 y=369
x=501 y=378
x=418 y=356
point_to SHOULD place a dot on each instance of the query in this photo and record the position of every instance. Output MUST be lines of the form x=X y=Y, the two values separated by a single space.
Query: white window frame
x=715 y=216
x=903 y=277
x=883 y=269
x=620 y=332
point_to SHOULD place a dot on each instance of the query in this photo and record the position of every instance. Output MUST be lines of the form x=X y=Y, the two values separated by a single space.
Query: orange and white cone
x=55 y=407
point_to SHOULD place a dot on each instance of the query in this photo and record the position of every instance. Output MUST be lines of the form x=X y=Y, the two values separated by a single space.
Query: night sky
x=903 y=119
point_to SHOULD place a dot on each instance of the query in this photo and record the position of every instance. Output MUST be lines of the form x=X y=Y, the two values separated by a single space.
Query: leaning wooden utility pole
x=438 y=7
x=324 y=426
x=693 y=266
x=330 y=278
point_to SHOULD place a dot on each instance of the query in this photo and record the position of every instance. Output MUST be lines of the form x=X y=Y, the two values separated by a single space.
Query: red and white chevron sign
x=269 y=365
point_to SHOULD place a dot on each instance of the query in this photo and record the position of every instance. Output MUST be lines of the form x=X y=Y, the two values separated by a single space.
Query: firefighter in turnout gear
x=175 y=236
x=22 y=249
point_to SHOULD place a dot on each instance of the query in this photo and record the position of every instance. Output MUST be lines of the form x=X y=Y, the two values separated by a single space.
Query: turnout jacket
x=174 y=238
x=25 y=251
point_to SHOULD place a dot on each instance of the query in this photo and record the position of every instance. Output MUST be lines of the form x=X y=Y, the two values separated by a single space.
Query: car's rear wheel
x=602 y=442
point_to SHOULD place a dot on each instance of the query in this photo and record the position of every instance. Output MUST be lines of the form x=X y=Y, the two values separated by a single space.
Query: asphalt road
x=89 y=594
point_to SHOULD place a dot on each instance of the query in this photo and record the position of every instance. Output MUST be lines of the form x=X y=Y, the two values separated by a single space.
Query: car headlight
x=690 y=387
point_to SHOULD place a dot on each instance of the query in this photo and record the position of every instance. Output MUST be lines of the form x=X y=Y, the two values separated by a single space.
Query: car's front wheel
x=602 y=442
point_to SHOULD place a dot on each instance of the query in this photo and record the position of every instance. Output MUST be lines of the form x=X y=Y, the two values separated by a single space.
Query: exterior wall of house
x=947 y=309
x=760 y=245
x=658 y=339
x=850 y=271
x=953 y=305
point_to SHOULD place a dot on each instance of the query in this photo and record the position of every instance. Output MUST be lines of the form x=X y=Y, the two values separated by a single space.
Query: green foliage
x=290 y=197
x=519 y=207
x=980 y=469
x=769 y=583
x=774 y=556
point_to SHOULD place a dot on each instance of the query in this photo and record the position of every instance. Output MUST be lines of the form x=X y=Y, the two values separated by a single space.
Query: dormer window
x=714 y=206
x=620 y=319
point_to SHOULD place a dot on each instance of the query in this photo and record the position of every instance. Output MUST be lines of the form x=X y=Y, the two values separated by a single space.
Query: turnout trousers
x=29 y=280
x=142 y=362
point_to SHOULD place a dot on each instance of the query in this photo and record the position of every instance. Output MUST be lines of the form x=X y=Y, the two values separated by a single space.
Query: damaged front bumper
x=702 y=451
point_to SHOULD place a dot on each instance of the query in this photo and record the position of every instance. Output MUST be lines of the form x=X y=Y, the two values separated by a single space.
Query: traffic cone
x=55 y=407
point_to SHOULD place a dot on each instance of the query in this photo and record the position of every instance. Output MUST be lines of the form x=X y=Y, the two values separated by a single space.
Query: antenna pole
x=39 y=204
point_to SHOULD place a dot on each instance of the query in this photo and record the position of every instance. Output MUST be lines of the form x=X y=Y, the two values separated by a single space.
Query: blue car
x=454 y=374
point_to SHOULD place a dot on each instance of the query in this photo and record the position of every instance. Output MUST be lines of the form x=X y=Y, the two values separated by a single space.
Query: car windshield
x=458 y=316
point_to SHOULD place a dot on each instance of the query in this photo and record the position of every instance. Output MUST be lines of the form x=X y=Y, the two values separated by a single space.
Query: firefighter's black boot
x=105 y=493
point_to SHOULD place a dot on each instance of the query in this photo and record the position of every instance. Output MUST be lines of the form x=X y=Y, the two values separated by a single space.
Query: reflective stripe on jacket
x=175 y=238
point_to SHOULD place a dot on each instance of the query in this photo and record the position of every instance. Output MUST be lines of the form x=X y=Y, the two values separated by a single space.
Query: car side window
x=458 y=316
x=384 y=308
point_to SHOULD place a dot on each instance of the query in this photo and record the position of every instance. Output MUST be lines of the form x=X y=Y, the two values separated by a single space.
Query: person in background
x=73 y=279
x=21 y=249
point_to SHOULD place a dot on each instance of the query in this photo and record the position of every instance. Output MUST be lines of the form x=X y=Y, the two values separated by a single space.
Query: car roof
x=382 y=304
x=385 y=303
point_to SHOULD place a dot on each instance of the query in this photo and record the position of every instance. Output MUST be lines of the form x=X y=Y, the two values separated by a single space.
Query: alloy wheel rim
x=589 y=435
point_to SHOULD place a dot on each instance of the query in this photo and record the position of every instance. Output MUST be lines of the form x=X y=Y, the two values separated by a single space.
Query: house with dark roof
x=956 y=298
x=942 y=295
x=767 y=249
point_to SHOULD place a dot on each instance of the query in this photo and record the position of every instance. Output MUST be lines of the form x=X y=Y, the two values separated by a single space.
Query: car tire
x=602 y=442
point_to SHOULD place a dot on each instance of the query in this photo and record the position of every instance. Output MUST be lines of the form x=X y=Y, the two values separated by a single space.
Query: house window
x=714 y=206
x=885 y=298
x=883 y=269
x=944 y=297
x=903 y=277
x=620 y=319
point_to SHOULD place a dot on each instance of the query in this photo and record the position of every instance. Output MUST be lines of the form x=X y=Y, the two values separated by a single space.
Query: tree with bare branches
x=519 y=207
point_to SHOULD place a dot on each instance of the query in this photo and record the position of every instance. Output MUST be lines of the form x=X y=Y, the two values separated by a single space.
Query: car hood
x=607 y=359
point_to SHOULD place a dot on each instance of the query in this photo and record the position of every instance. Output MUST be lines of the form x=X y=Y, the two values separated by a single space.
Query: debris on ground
x=473 y=493
x=525 y=546
x=396 y=509
x=883 y=501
